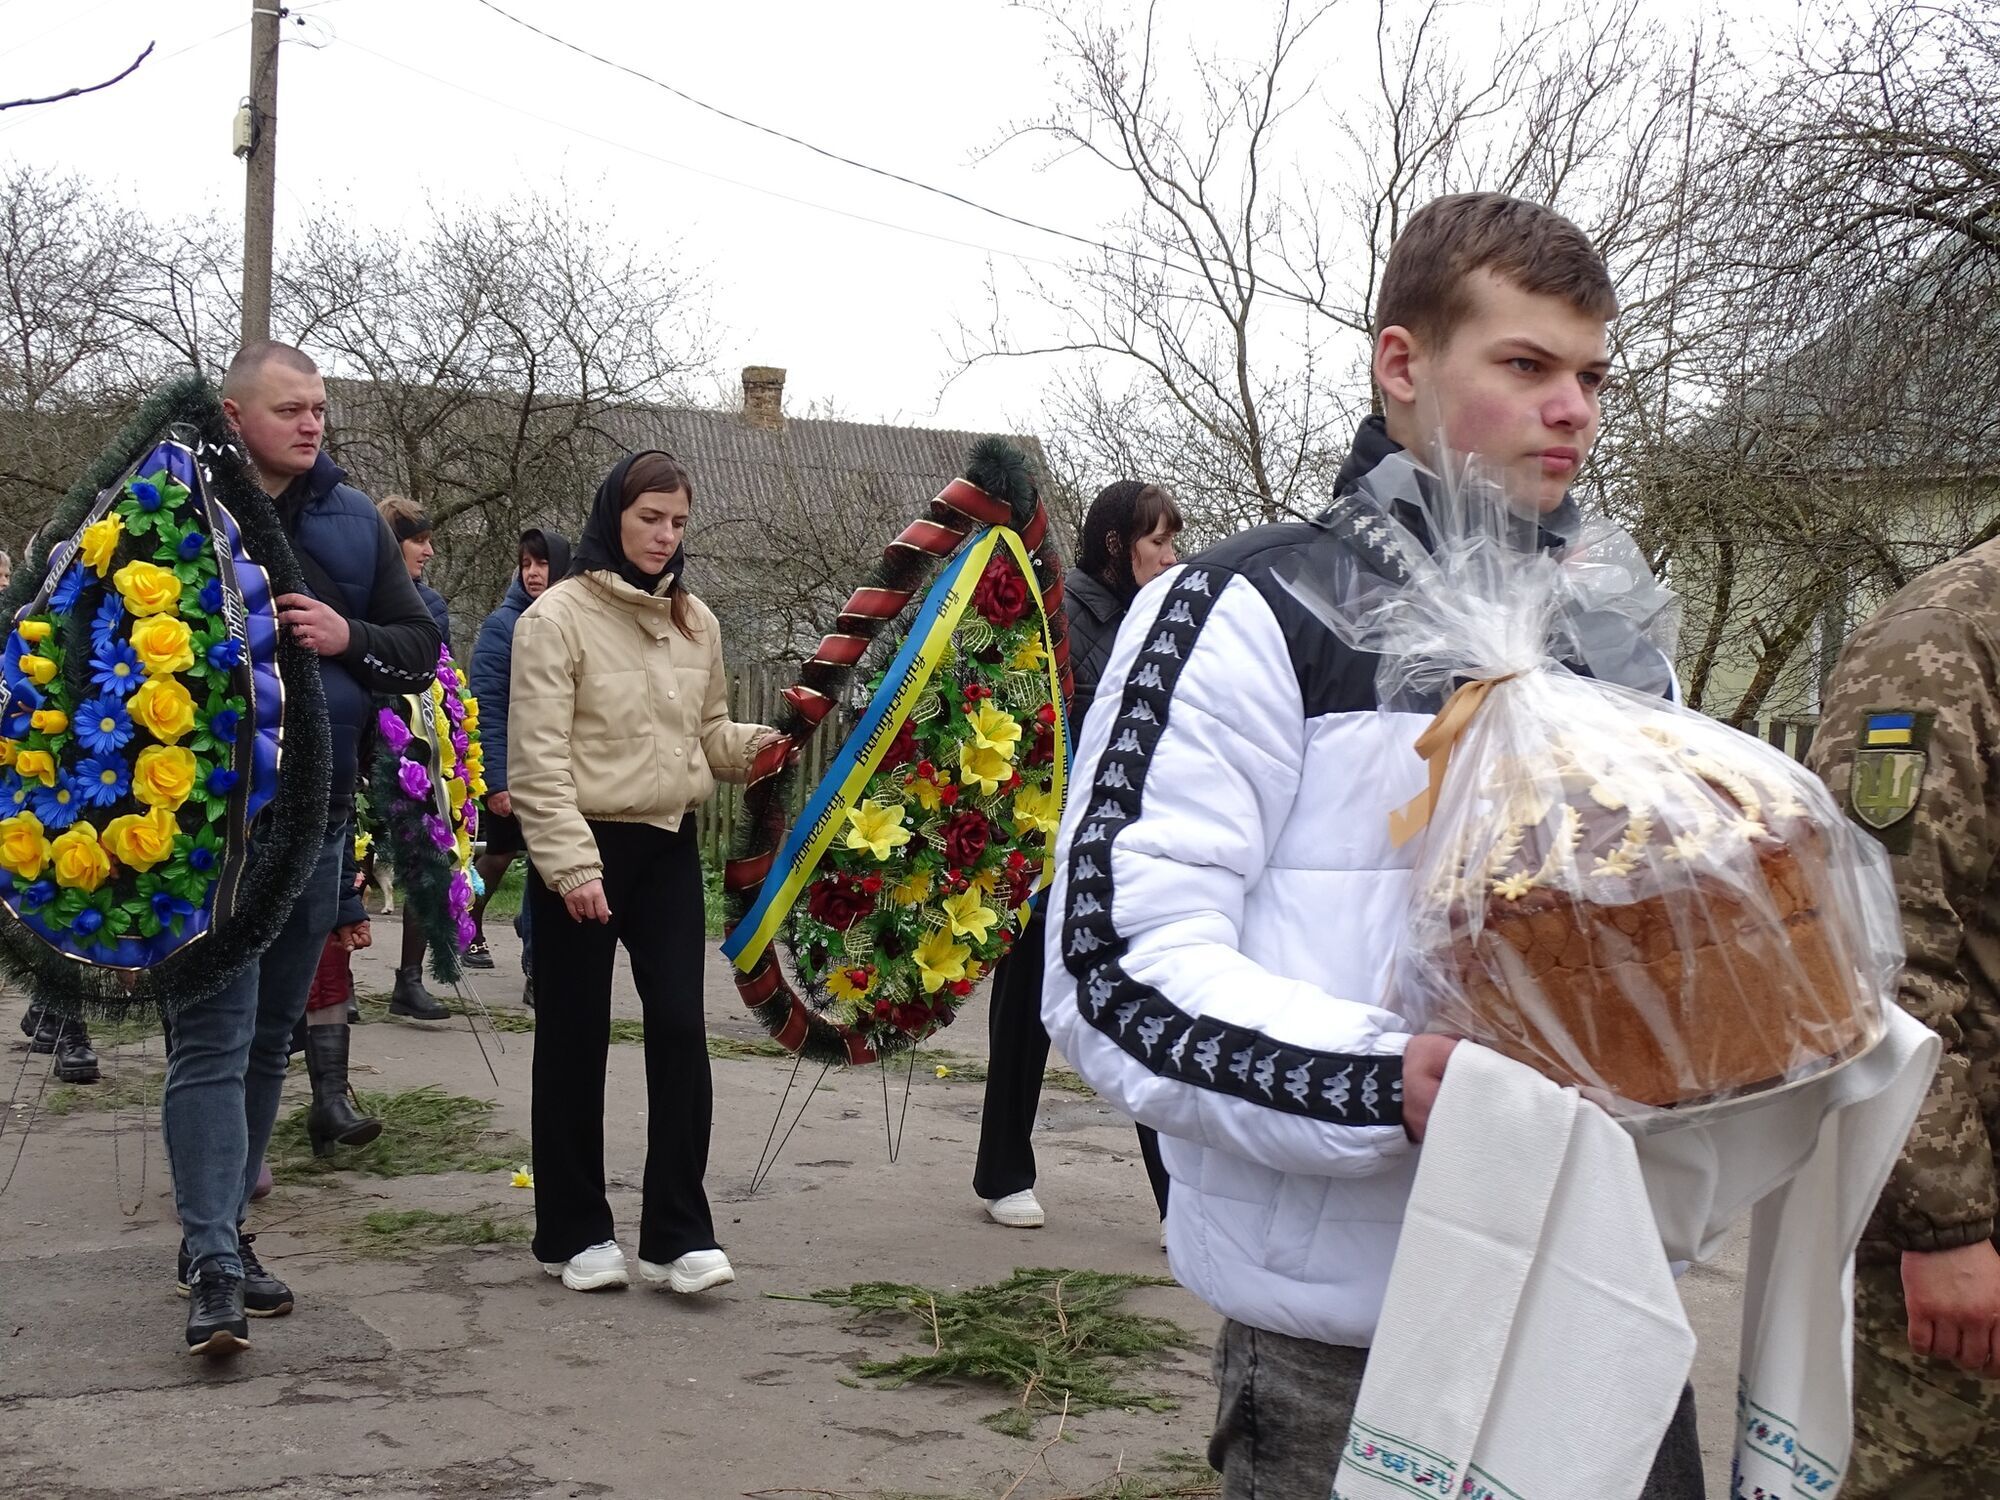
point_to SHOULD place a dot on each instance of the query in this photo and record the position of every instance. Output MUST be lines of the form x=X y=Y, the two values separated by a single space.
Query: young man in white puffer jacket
x=1227 y=900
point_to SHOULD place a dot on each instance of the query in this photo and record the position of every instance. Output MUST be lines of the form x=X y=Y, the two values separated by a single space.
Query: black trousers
x=1018 y=1056
x=652 y=880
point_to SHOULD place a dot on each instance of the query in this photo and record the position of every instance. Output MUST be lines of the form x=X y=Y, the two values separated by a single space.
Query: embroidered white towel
x=1532 y=1346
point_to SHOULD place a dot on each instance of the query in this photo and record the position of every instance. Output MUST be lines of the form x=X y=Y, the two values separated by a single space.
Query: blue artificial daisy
x=14 y=793
x=211 y=596
x=146 y=493
x=222 y=724
x=115 y=669
x=62 y=598
x=87 y=921
x=225 y=653
x=103 y=779
x=192 y=546
x=41 y=893
x=103 y=725
x=104 y=624
x=57 y=806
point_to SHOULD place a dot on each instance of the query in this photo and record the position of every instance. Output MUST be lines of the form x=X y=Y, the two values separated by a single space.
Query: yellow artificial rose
x=141 y=841
x=38 y=670
x=940 y=960
x=454 y=791
x=471 y=713
x=34 y=632
x=100 y=543
x=24 y=850
x=163 y=776
x=148 y=589
x=164 y=643
x=982 y=768
x=49 y=721
x=969 y=916
x=80 y=860
x=38 y=764
x=876 y=828
x=995 y=730
x=8 y=750
x=162 y=707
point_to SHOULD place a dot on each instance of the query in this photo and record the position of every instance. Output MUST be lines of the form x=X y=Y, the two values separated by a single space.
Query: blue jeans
x=228 y=1067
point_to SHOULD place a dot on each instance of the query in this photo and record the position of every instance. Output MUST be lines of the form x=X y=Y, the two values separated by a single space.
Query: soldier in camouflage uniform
x=1911 y=746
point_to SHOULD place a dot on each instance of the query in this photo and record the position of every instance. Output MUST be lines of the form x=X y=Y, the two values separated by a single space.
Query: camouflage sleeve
x=1912 y=724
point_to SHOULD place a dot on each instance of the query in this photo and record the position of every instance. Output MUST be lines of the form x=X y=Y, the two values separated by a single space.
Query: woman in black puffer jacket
x=1128 y=540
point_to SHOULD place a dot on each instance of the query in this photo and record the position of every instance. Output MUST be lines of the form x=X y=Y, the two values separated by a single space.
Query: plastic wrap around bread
x=1615 y=890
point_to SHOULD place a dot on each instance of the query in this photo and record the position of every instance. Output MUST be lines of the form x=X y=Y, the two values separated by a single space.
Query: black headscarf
x=601 y=548
x=554 y=543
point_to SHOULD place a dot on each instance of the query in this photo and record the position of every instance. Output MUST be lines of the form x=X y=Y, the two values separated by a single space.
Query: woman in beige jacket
x=618 y=729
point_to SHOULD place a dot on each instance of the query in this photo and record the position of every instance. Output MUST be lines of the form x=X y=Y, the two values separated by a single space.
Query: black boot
x=75 y=1061
x=412 y=1000
x=333 y=1119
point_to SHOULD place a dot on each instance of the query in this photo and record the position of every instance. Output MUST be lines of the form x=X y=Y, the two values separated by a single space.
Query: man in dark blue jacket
x=363 y=618
x=543 y=558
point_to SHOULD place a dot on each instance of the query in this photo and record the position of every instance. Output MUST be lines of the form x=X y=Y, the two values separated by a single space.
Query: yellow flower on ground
x=163 y=776
x=523 y=1178
x=911 y=891
x=148 y=589
x=24 y=848
x=100 y=543
x=80 y=861
x=162 y=706
x=164 y=644
x=939 y=960
x=34 y=632
x=842 y=985
x=36 y=763
x=1030 y=656
x=982 y=768
x=876 y=828
x=1037 y=809
x=969 y=916
x=141 y=841
x=49 y=720
x=994 y=729
x=943 y=1071
x=38 y=670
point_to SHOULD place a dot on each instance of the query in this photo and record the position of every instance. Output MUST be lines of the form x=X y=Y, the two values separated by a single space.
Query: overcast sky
x=383 y=103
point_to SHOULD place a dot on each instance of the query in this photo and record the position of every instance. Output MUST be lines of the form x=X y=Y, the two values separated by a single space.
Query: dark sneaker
x=216 y=1323
x=263 y=1295
x=75 y=1061
x=478 y=956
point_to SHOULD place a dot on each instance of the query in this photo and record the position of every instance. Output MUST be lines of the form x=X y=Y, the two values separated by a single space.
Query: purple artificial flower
x=471 y=820
x=438 y=829
x=414 y=780
x=461 y=742
x=466 y=933
x=395 y=733
x=461 y=893
x=454 y=708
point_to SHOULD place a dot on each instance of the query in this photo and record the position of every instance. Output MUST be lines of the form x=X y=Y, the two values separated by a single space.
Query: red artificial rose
x=903 y=748
x=960 y=987
x=926 y=770
x=872 y=884
x=947 y=795
x=965 y=839
x=1002 y=595
x=1042 y=749
x=839 y=901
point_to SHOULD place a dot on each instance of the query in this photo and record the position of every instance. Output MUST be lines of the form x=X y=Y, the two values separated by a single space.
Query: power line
x=682 y=166
x=715 y=109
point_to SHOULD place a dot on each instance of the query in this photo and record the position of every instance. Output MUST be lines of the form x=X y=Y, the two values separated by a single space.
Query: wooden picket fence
x=755 y=697
x=1791 y=734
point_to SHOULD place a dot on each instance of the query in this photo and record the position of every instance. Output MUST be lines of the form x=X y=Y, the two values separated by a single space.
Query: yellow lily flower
x=969 y=916
x=939 y=960
x=994 y=729
x=876 y=828
x=523 y=1178
x=1030 y=656
x=1037 y=810
x=982 y=768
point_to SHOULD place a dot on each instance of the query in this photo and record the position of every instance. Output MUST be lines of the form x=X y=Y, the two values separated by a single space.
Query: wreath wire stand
x=997 y=491
x=13 y=1111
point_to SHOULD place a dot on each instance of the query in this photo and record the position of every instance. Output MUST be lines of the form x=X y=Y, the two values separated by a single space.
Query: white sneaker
x=591 y=1270
x=696 y=1271
x=1020 y=1210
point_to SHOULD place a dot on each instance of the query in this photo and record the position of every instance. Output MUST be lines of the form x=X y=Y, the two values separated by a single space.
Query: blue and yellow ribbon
x=860 y=757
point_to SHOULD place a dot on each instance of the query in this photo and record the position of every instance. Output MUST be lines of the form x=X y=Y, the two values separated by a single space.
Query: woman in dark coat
x=1127 y=541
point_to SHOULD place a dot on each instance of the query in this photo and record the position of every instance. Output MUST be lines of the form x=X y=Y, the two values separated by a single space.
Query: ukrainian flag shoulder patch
x=1888 y=775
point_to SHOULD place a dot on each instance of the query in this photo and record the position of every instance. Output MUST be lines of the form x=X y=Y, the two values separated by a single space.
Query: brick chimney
x=764 y=397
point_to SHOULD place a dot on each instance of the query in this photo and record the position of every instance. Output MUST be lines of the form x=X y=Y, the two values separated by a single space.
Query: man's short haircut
x=252 y=358
x=1449 y=240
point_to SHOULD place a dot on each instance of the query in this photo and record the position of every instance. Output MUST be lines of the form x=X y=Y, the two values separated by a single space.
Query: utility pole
x=260 y=185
